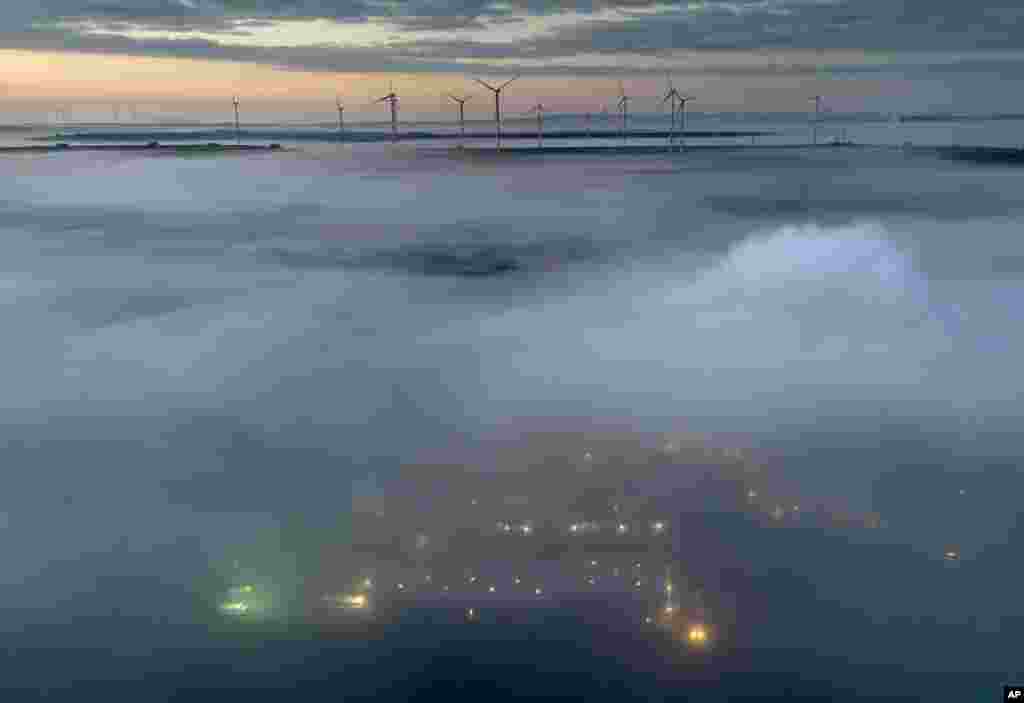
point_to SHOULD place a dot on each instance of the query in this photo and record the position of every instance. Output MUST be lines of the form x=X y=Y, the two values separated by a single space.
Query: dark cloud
x=910 y=25
x=643 y=28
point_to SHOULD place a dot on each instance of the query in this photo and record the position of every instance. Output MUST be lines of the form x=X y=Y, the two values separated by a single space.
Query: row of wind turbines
x=675 y=99
x=677 y=103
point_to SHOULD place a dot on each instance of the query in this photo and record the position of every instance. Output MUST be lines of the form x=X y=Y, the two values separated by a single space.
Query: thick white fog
x=212 y=349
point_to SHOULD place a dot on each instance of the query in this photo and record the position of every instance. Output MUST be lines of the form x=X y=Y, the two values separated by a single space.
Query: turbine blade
x=507 y=82
x=486 y=85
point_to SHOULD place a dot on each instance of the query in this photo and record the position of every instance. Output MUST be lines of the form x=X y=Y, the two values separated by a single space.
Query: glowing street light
x=697 y=634
x=353 y=602
x=235 y=607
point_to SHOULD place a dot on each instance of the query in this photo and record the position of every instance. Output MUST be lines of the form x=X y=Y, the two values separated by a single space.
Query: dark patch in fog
x=469 y=259
x=847 y=200
x=103 y=308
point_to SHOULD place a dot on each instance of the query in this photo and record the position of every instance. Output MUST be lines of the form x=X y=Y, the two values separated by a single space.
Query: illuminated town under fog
x=552 y=521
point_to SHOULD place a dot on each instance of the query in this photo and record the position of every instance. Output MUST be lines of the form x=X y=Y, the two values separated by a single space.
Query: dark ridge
x=983 y=155
x=210 y=147
x=648 y=148
x=384 y=136
x=950 y=117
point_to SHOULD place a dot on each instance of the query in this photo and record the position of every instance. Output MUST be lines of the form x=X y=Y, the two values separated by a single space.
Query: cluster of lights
x=525 y=528
x=578 y=528
x=356 y=601
x=238 y=605
x=697 y=634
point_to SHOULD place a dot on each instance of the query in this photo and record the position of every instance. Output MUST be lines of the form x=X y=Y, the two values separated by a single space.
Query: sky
x=290 y=58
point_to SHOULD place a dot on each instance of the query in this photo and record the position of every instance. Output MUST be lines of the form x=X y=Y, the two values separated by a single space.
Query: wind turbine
x=392 y=100
x=624 y=106
x=462 y=112
x=497 y=104
x=589 y=134
x=341 y=114
x=238 y=136
x=817 y=111
x=539 y=109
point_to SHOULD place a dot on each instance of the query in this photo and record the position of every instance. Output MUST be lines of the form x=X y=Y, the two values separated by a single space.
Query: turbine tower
x=238 y=135
x=682 y=119
x=817 y=111
x=539 y=109
x=341 y=114
x=462 y=112
x=497 y=104
x=671 y=96
x=587 y=118
x=624 y=106
x=392 y=100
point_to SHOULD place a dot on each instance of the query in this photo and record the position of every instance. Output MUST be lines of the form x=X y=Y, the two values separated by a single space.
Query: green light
x=234 y=607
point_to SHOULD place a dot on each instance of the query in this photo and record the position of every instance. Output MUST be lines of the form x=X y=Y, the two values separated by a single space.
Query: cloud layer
x=444 y=35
